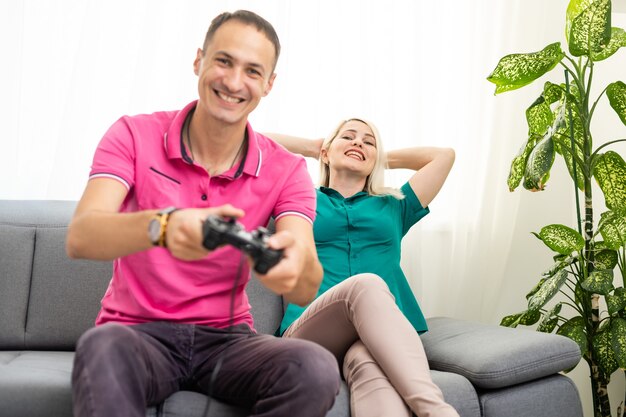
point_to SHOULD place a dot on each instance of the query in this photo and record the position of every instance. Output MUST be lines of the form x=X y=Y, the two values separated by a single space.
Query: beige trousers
x=383 y=359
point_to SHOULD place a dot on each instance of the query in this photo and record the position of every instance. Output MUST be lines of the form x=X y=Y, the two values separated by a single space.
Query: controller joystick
x=218 y=231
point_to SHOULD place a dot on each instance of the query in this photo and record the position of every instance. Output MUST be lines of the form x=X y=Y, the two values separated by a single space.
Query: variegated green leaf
x=536 y=288
x=603 y=257
x=575 y=329
x=512 y=320
x=552 y=92
x=580 y=295
x=574 y=9
x=548 y=290
x=530 y=317
x=616 y=302
x=616 y=92
x=591 y=30
x=618 y=340
x=518 y=164
x=550 y=319
x=517 y=70
x=561 y=239
x=603 y=352
x=569 y=162
x=516 y=173
x=599 y=282
x=562 y=261
x=562 y=138
x=539 y=117
x=610 y=172
x=612 y=226
x=538 y=164
x=618 y=40
x=548 y=325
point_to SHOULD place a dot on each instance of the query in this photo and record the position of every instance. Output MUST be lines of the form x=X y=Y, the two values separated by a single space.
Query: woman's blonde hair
x=375 y=181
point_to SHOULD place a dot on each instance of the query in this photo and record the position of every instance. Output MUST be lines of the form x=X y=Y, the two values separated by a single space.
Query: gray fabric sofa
x=48 y=300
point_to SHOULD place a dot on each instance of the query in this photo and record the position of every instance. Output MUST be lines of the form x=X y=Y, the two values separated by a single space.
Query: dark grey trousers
x=120 y=370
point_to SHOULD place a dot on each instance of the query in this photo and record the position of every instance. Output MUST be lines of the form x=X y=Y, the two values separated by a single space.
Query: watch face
x=154 y=230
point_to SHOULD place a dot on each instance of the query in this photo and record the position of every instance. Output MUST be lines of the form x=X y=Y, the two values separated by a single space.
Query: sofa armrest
x=491 y=356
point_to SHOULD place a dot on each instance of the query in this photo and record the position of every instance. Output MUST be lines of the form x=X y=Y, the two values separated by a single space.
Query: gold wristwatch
x=158 y=226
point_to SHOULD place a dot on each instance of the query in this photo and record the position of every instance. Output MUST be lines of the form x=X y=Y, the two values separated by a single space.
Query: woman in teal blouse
x=365 y=312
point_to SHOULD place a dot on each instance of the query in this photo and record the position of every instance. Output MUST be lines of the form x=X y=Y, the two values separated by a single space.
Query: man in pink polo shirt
x=168 y=311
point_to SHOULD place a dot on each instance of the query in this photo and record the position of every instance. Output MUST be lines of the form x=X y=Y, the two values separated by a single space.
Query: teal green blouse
x=362 y=234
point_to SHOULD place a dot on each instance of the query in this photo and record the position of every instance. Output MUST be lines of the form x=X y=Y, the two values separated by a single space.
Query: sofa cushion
x=34 y=384
x=38 y=383
x=458 y=392
x=495 y=356
x=192 y=404
x=555 y=395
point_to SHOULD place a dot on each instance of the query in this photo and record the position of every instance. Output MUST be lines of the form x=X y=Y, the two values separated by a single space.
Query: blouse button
x=204 y=197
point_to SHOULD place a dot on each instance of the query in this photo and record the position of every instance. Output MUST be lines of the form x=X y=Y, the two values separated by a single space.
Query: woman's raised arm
x=432 y=165
x=294 y=144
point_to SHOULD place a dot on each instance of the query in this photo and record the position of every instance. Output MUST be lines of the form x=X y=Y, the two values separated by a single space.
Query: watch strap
x=163 y=218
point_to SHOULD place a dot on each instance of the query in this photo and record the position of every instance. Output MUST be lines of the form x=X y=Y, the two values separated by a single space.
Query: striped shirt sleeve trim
x=294 y=213
x=112 y=176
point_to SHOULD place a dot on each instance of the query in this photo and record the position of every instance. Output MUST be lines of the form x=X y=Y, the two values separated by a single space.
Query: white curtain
x=417 y=69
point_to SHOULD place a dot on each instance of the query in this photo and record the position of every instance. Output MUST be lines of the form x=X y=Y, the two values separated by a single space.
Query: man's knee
x=106 y=334
x=103 y=340
x=313 y=368
x=320 y=367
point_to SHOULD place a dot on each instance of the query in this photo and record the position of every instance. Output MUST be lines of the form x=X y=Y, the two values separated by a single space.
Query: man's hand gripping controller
x=218 y=231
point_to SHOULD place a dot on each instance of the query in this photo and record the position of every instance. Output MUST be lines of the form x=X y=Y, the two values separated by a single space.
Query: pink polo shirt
x=145 y=153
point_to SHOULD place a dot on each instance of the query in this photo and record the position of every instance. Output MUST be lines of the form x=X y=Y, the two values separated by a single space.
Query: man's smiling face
x=234 y=72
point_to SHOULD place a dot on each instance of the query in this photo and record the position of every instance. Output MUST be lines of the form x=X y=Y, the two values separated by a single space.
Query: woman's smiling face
x=353 y=149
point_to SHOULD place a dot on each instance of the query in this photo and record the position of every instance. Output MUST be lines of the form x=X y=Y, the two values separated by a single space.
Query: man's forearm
x=308 y=283
x=107 y=236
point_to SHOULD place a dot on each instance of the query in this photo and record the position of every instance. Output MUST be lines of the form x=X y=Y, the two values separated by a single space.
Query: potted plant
x=590 y=257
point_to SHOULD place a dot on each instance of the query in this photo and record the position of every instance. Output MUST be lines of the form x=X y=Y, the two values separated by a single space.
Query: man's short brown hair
x=248 y=18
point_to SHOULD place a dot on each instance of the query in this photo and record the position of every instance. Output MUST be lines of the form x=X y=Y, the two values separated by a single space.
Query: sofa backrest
x=48 y=300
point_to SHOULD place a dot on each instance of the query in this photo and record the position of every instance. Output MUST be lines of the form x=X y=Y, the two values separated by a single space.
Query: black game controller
x=218 y=231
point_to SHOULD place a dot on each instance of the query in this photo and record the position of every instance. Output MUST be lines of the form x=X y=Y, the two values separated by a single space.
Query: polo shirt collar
x=174 y=145
x=173 y=138
x=336 y=194
x=254 y=157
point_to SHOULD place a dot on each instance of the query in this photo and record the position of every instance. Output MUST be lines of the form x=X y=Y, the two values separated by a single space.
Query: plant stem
x=558 y=136
x=571 y=131
x=595 y=103
x=588 y=64
x=574 y=73
x=621 y=260
x=605 y=145
x=574 y=305
x=594 y=375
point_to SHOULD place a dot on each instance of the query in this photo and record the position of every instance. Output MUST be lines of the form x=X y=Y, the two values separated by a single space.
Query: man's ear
x=197 y=63
x=270 y=84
